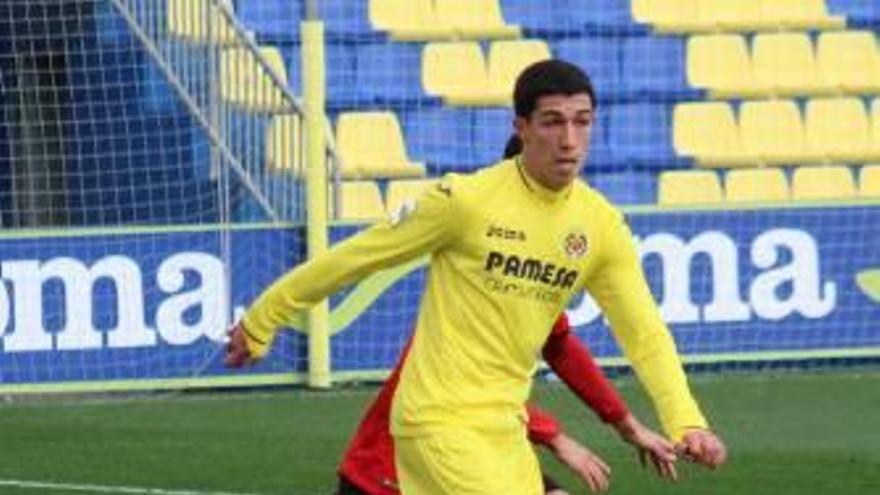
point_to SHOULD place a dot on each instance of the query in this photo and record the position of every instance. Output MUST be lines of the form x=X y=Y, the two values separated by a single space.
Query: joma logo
x=505 y=233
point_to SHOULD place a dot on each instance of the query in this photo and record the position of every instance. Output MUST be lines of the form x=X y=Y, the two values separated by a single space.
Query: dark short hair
x=513 y=147
x=549 y=77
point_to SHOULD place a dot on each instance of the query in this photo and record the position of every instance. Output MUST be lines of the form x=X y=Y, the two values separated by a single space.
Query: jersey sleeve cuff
x=257 y=342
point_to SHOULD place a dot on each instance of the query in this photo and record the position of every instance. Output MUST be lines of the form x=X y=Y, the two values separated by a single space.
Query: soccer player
x=367 y=467
x=509 y=246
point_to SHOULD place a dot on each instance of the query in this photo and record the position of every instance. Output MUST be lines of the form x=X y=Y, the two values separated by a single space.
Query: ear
x=519 y=126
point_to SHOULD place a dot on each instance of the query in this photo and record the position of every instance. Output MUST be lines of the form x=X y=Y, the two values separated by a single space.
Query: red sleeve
x=368 y=462
x=542 y=425
x=569 y=358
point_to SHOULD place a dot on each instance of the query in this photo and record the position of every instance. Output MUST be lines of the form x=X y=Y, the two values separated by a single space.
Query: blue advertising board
x=154 y=305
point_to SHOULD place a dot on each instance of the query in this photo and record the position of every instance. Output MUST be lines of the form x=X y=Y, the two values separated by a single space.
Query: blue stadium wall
x=758 y=285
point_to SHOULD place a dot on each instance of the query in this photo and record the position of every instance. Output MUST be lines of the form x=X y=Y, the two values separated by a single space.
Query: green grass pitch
x=788 y=433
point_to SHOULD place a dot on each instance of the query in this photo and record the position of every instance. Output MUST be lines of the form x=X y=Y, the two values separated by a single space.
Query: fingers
x=662 y=460
x=596 y=476
x=237 y=353
x=587 y=465
x=595 y=472
x=665 y=469
x=664 y=463
x=703 y=447
x=715 y=452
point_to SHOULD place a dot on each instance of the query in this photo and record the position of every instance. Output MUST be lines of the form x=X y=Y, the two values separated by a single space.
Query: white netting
x=125 y=219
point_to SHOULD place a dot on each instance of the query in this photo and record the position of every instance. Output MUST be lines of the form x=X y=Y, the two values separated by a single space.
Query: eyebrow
x=551 y=112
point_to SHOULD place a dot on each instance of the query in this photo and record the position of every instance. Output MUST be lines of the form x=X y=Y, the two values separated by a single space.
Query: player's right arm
x=429 y=226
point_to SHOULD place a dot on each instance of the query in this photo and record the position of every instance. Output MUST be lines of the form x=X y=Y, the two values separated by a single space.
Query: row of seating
x=347 y=20
x=759 y=185
x=369 y=145
x=362 y=200
x=784 y=64
x=458 y=72
x=441 y=19
x=622 y=69
x=695 y=16
x=779 y=64
x=439 y=140
x=278 y=20
x=773 y=132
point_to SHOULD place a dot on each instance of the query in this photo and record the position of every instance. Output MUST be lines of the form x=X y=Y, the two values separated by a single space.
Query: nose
x=569 y=136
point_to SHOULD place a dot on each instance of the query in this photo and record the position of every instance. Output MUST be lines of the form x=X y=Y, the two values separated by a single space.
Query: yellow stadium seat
x=475 y=19
x=733 y=15
x=849 y=61
x=689 y=187
x=838 y=129
x=457 y=72
x=756 y=185
x=801 y=15
x=721 y=65
x=186 y=19
x=507 y=59
x=409 y=20
x=869 y=181
x=370 y=145
x=359 y=201
x=774 y=131
x=786 y=64
x=403 y=190
x=284 y=148
x=707 y=131
x=875 y=126
x=822 y=183
x=245 y=81
x=669 y=16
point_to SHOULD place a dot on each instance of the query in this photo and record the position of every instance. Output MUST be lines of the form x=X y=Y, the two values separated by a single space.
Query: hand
x=590 y=467
x=650 y=445
x=237 y=352
x=702 y=447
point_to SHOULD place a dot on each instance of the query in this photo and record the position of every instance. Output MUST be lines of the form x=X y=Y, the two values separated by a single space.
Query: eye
x=552 y=122
x=584 y=121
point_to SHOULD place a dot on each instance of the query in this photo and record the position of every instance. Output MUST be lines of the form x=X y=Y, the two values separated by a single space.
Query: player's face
x=556 y=138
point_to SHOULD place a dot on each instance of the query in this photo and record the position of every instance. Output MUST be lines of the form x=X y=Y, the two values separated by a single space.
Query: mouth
x=567 y=163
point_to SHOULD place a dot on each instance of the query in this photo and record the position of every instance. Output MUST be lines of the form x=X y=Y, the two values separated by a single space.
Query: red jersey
x=369 y=460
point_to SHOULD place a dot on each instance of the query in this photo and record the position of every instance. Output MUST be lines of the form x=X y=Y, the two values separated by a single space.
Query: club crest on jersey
x=575 y=245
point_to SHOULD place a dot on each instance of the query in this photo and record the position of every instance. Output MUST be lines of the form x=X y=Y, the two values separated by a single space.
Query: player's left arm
x=620 y=289
x=573 y=362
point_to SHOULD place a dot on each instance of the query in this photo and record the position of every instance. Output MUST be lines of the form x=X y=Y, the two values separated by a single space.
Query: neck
x=538 y=178
x=538 y=187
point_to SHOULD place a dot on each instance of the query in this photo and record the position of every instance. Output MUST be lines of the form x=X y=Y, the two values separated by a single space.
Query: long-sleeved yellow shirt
x=507 y=255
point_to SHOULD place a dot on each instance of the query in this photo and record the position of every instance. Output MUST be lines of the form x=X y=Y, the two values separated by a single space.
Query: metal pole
x=316 y=184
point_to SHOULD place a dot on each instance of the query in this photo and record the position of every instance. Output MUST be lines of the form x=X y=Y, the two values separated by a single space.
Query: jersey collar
x=539 y=191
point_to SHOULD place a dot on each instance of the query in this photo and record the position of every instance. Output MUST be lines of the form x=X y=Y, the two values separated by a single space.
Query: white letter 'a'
x=802 y=272
x=210 y=296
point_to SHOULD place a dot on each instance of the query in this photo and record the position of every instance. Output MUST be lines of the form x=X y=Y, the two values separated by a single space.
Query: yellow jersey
x=507 y=256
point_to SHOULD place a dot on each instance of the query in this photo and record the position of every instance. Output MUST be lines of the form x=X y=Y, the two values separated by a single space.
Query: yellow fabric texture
x=507 y=256
x=467 y=462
